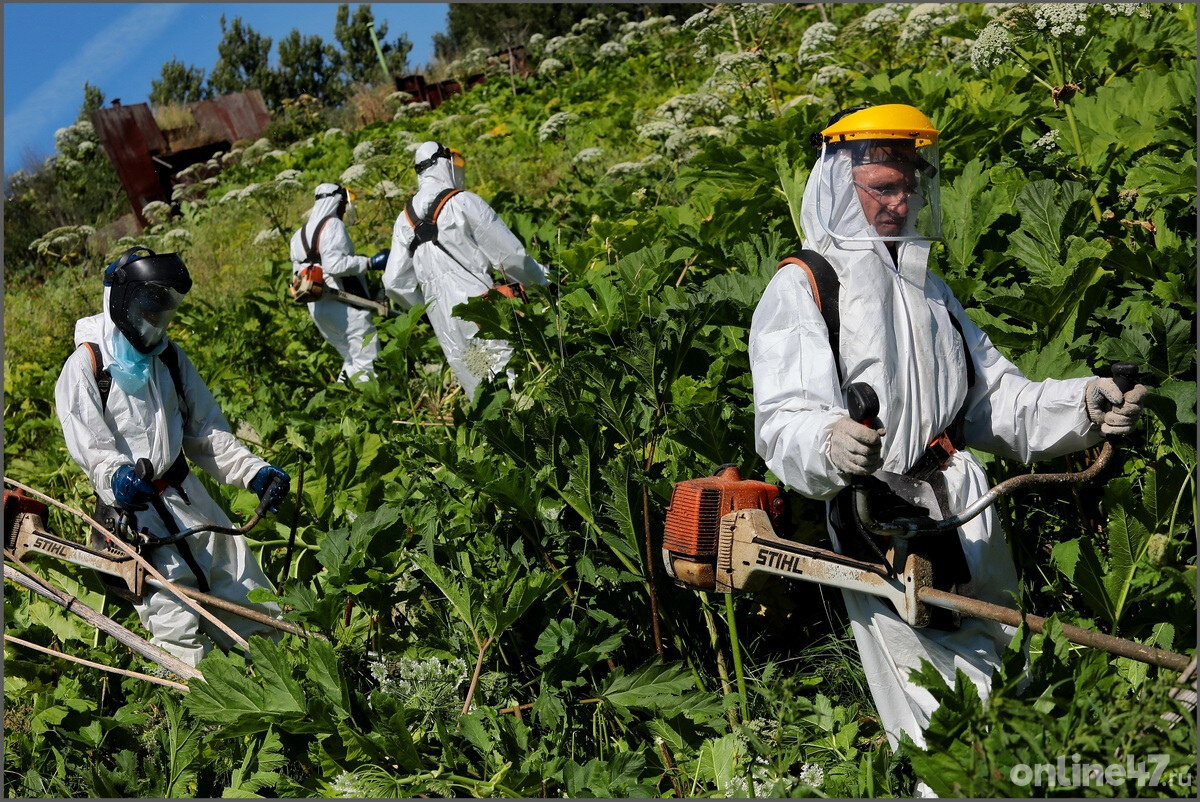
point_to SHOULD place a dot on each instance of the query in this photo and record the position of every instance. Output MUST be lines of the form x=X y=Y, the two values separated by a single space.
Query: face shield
x=458 y=169
x=879 y=190
x=145 y=290
x=350 y=213
x=148 y=311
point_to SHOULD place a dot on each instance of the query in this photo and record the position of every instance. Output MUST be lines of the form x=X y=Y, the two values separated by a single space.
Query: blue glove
x=262 y=483
x=379 y=260
x=131 y=492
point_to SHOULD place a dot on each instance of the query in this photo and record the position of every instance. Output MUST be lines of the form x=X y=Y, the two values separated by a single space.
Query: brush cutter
x=309 y=285
x=720 y=535
x=124 y=567
x=25 y=532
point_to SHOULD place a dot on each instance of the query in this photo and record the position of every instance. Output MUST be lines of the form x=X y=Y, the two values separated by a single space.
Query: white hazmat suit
x=347 y=328
x=149 y=424
x=479 y=240
x=897 y=336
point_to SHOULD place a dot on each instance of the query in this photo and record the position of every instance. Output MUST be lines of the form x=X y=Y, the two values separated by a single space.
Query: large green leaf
x=969 y=209
x=240 y=703
x=1080 y=563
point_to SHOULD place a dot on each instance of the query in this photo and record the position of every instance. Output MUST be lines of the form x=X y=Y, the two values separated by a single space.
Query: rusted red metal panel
x=130 y=138
x=241 y=115
x=413 y=84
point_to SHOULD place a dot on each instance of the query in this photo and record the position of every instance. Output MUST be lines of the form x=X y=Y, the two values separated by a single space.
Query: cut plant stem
x=731 y=620
x=715 y=641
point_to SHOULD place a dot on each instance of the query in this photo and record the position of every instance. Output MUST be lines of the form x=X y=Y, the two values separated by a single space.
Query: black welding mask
x=145 y=290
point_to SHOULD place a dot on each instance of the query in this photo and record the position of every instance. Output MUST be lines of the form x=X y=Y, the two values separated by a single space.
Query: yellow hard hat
x=890 y=121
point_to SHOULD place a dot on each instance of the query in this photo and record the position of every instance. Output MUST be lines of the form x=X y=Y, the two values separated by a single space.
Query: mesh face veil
x=879 y=177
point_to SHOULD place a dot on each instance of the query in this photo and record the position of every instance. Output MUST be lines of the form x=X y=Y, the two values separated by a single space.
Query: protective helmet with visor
x=346 y=197
x=442 y=152
x=145 y=289
x=879 y=176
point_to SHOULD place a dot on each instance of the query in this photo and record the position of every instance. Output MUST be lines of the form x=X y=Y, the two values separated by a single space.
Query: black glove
x=379 y=261
x=129 y=490
x=264 y=483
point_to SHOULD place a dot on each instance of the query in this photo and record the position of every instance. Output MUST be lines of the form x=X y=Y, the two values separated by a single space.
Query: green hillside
x=493 y=557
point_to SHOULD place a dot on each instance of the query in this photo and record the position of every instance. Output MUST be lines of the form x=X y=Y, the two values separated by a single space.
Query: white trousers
x=232 y=572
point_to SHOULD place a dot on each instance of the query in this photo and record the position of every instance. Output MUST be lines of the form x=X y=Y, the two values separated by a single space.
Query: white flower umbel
x=923 y=21
x=992 y=47
x=817 y=42
x=288 y=174
x=555 y=125
x=657 y=129
x=737 y=62
x=1061 y=19
x=388 y=189
x=829 y=75
x=811 y=775
x=352 y=174
x=883 y=18
x=610 y=51
x=267 y=235
x=156 y=211
x=588 y=155
x=1128 y=9
x=551 y=66
x=365 y=150
x=176 y=238
x=1047 y=142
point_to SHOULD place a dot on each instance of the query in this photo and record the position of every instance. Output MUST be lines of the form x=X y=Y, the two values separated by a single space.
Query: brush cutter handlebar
x=145 y=470
x=864 y=405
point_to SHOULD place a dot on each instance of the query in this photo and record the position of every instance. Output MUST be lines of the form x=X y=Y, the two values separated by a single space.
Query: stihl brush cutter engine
x=720 y=535
x=25 y=533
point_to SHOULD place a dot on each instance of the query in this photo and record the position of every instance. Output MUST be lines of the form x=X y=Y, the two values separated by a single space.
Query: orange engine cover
x=698 y=504
x=16 y=503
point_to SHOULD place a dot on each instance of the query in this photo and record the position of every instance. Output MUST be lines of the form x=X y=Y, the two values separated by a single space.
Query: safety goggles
x=442 y=152
x=889 y=194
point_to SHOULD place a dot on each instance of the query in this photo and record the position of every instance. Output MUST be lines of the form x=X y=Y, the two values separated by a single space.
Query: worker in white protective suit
x=870 y=208
x=444 y=248
x=323 y=240
x=128 y=394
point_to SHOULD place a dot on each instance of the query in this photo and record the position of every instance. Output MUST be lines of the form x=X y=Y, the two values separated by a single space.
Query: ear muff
x=115 y=272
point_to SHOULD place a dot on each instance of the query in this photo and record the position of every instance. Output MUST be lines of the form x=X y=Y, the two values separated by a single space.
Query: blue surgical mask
x=130 y=368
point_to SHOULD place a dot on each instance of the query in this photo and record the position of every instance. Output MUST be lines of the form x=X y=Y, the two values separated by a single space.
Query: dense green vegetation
x=481 y=569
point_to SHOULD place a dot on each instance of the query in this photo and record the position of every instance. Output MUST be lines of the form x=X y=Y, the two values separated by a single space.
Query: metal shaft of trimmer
x=1083 y=637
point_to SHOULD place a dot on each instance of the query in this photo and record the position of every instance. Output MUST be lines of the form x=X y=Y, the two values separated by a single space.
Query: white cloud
x=59 y=96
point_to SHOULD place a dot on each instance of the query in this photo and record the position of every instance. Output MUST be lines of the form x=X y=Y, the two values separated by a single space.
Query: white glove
x=854 y=448
x=1110 y=409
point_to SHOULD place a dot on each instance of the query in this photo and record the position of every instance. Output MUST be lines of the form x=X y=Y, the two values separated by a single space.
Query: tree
x=359 y=59
x=243 y=62
x=179 y=84
x=309 y=66
x=93 y=99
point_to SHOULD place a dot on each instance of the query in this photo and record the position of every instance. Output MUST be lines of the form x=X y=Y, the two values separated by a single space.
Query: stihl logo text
x=779 y=561
x=50 y=547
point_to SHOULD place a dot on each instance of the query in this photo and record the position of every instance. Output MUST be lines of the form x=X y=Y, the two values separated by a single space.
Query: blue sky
x=51 y=49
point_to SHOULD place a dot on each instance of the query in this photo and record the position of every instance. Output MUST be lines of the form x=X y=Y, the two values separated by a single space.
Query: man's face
x=883 y=190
